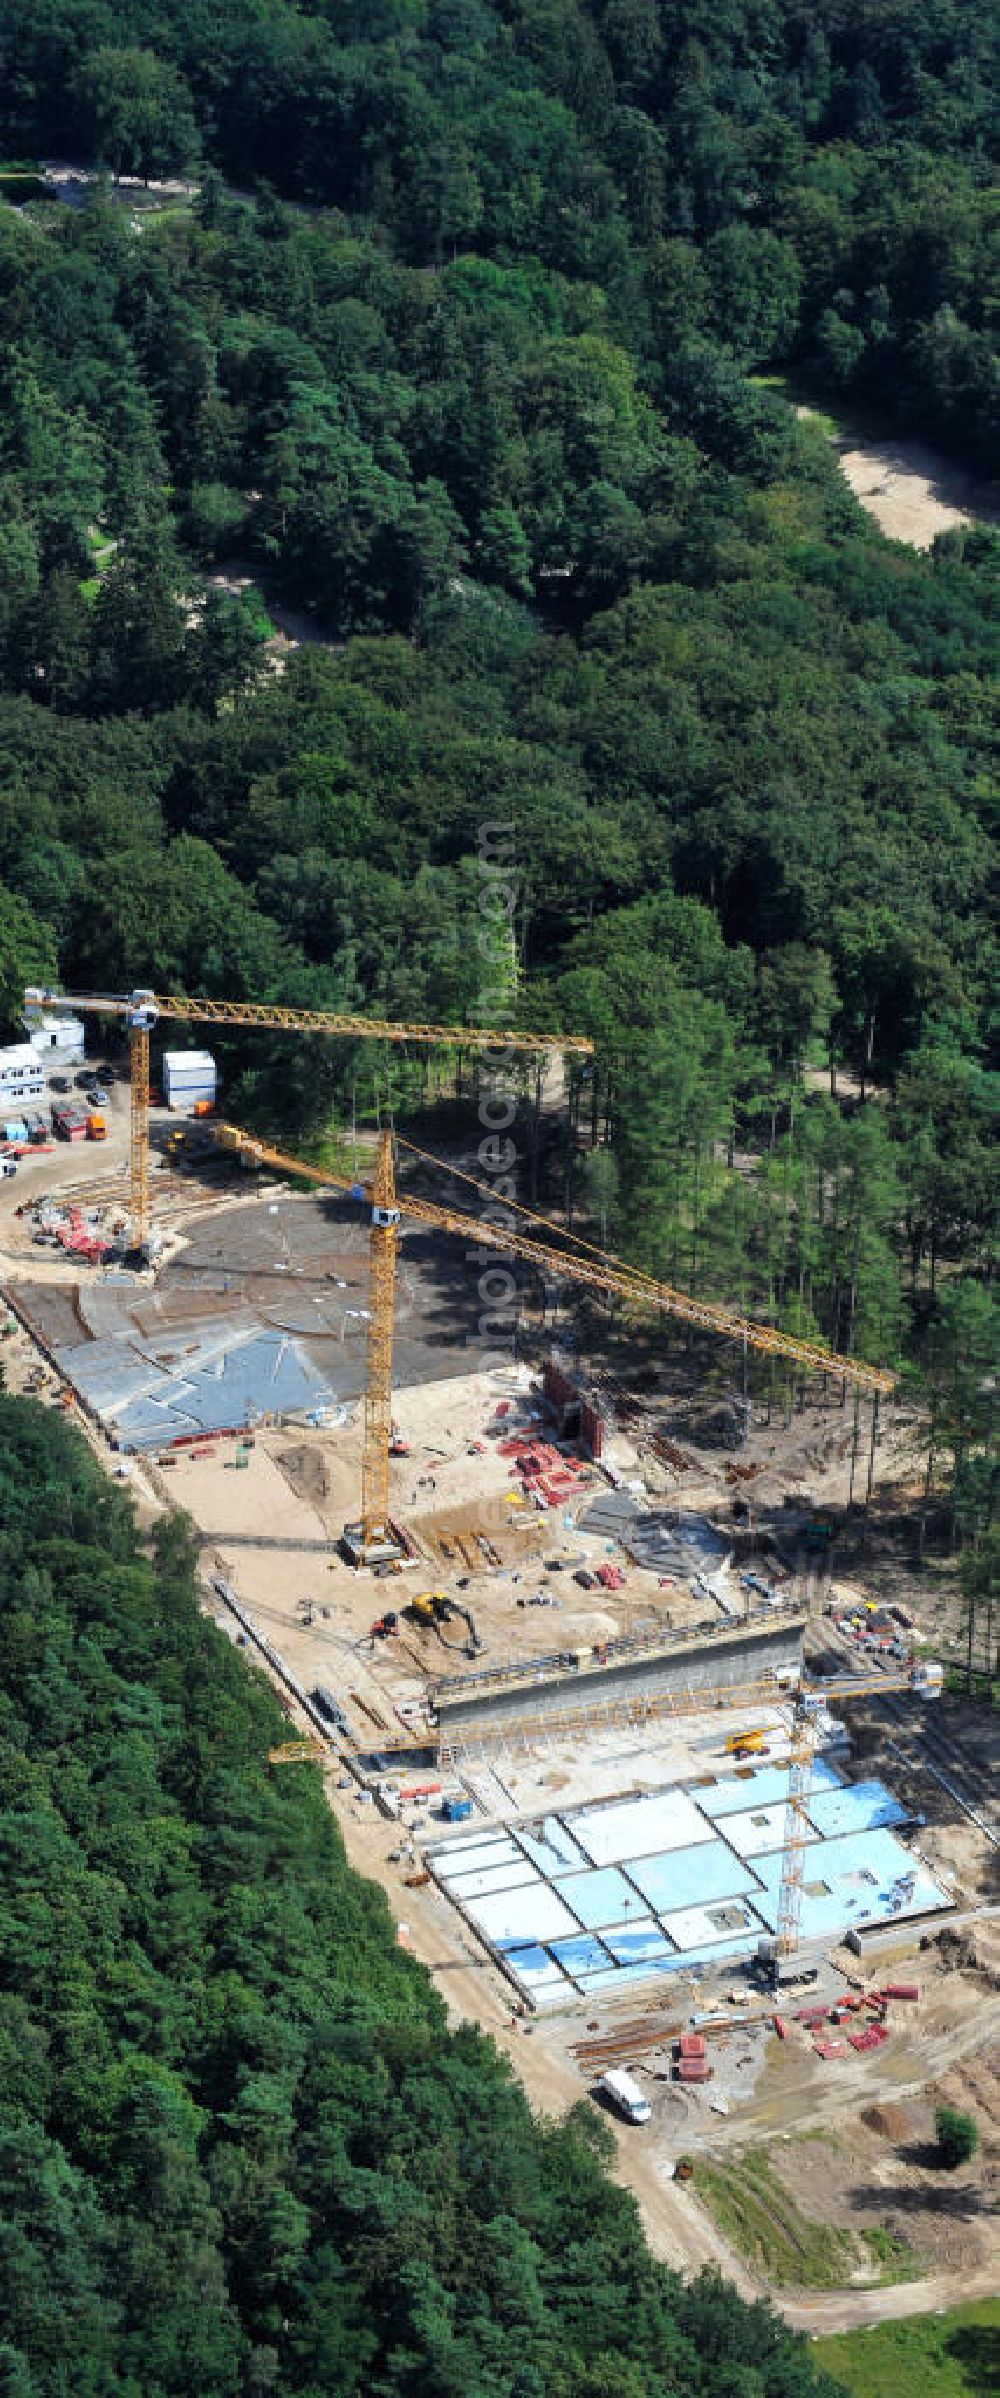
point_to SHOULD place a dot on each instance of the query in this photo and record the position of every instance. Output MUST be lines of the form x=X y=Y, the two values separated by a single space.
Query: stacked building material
x=550 y=1478
x=669 y=1454
x=871 y=2037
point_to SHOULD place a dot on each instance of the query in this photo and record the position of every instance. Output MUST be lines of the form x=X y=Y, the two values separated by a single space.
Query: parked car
x=59 y=1082
x=96 y=1095
x=81 y=1080
x=585 y=1580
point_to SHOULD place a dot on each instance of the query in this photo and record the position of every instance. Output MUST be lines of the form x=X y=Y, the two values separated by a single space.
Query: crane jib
x=256 y=1016
x=605 y=1273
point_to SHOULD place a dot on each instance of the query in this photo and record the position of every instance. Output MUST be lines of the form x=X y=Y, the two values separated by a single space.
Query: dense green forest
x=462 y=345
x=801 y=183
x=461 y=337
x=239 y=2151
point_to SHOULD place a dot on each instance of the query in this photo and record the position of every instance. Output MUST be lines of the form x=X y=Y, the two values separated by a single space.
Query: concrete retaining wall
x=731 y=1659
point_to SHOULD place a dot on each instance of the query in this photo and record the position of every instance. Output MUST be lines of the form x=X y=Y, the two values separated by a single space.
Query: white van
x=625 y=2095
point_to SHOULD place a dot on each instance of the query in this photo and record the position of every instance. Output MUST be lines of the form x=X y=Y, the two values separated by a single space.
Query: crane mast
x=139 y=1143
x=796 y=1832
x=374 y=1538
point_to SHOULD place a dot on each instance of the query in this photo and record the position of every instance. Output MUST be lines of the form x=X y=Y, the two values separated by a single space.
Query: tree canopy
x=461 y=347
x=240 y=2152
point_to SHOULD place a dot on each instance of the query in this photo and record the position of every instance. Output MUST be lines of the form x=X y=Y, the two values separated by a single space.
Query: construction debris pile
x=92 y=1235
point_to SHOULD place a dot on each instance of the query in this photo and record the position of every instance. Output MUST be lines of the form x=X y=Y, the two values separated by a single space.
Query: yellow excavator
x=432 y=1608
x=745 y=1744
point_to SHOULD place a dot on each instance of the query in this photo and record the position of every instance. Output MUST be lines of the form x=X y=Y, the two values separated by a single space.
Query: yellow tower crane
x=374 y=1537
x=583 y=1264
x=374 y=1534
x=143 y=1009
x=796 y=1830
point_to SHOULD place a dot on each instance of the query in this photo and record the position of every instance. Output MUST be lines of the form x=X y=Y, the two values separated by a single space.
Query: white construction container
x=189 y=1076
x=57 y=1039
x=21 y=1074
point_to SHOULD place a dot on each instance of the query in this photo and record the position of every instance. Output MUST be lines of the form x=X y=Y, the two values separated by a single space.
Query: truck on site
x=96 y=1127
x=329 y=1708
x=69 y=1122
x=624 y=2095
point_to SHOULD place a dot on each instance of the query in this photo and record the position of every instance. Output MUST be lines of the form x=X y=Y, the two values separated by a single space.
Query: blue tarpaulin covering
x=564 y=1927
x=149 y=1394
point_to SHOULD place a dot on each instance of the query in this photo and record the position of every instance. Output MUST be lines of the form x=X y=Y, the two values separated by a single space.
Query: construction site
x=635 y=1759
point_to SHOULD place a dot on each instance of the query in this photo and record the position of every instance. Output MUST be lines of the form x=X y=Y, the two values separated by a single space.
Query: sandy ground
x=913 y=491
x=273 y=1529
x=877 y=2167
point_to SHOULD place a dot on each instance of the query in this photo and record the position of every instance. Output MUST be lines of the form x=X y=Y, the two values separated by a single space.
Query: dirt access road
x=844 y=2310
x=681 y=2234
